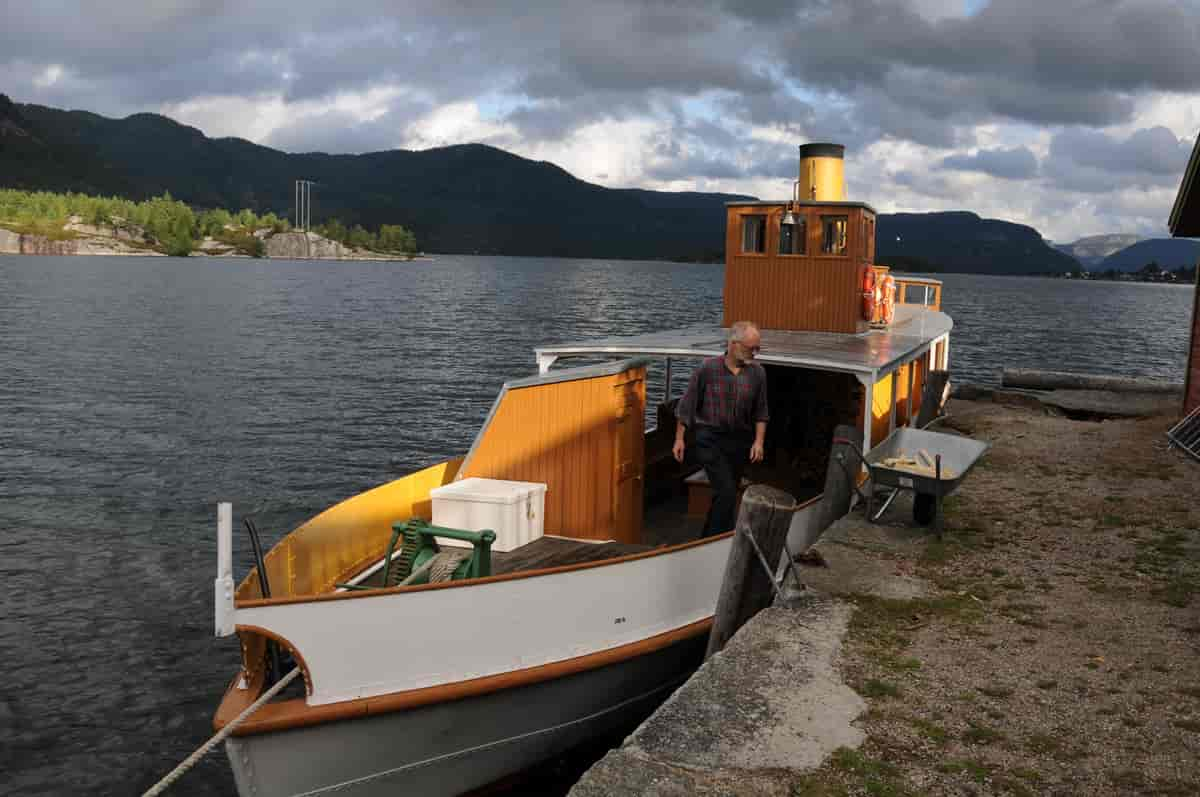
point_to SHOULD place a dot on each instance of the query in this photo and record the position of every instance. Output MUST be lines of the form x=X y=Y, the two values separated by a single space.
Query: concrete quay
x=1048 y=645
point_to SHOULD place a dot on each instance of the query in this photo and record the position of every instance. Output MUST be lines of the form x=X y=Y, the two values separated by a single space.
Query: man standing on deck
x=726 y=405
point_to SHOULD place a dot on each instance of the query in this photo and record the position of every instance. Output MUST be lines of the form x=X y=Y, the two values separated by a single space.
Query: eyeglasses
x=751 y=349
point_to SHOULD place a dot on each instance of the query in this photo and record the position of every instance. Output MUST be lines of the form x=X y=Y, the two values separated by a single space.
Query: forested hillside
x=461 y=199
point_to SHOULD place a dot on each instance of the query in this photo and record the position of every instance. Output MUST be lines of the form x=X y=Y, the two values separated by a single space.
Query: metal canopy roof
x=873 y=353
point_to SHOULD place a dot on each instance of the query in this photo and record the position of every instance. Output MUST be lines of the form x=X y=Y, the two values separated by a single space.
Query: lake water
x=137 y=392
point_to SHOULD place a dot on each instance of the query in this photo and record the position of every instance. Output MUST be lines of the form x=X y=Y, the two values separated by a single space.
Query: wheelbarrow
x=950 y=457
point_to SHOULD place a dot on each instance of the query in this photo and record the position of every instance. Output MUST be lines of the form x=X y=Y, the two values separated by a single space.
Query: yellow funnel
x=821 y=176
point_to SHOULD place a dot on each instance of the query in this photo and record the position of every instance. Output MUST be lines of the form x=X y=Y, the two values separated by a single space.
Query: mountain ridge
x=465 y=198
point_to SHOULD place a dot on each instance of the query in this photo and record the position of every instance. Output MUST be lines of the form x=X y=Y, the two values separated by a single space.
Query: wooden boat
x=530 y=649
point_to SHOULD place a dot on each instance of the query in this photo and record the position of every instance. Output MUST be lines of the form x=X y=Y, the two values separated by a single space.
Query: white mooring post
x=223 y=585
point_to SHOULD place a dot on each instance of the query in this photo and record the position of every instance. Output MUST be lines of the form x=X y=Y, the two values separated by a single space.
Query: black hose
x=256 y=546
x=274 y=670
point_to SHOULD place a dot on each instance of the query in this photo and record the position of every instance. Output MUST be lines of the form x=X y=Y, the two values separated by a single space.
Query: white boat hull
x=453 y=747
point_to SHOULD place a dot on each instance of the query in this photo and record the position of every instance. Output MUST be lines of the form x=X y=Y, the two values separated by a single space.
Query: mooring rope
x=204 y=749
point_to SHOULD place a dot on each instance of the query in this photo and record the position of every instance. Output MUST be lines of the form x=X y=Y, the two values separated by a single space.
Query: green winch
x=422 y=561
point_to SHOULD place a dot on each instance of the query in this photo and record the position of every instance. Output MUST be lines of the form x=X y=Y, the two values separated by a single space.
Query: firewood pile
x=919 y=464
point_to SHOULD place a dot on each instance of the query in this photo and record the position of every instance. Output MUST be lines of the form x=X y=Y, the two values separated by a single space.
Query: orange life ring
x=889 y=299
x=870 y=295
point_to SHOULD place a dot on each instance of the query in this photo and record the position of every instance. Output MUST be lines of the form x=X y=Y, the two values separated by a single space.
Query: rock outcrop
x=41 y=245
x=12 y=243
x=302 y=245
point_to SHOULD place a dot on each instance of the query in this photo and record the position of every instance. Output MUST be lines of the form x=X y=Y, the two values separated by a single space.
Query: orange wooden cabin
x=844 y=340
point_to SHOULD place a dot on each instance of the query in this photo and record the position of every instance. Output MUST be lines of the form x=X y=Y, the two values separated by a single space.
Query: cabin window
x=833 y=239
x=793 y=237
x=917 y=294
x=754 y=233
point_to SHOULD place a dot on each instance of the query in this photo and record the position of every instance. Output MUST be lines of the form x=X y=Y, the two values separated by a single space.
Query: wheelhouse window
x=754 y=234
x=793 y=237
x=833 y=238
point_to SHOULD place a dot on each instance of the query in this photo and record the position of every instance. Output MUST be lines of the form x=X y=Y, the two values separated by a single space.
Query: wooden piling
x=766 y=513
x=933 y=397
x=843 y=466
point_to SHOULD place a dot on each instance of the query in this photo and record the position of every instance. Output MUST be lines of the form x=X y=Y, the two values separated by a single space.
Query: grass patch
x=997 y=692
x=981 y=734
x=1179 y=591
x=978 y=771
x=930 y=730
x=244 y=241
x=1128 y=780
x=814 y=786
x=877 y=778
x=877 y=688
x=898 y=664
x=51 y=229
x=1043 y=744
x=883 y=625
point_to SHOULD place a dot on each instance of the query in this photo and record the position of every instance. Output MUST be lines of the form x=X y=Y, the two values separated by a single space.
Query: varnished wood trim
x=238 y=700
x=296 y=713
x=368 y=593
x=300 y=662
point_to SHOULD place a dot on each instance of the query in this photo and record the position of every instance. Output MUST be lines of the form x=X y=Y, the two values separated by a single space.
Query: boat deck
x=546 y=552
x=666 y=522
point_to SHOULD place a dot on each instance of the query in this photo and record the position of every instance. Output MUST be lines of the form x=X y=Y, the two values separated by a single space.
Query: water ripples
x=138 y=392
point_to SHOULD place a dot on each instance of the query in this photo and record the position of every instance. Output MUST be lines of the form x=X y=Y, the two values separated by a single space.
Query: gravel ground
x=1049 y=644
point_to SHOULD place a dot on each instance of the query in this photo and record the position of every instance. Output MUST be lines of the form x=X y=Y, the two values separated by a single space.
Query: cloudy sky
x=1074 y=116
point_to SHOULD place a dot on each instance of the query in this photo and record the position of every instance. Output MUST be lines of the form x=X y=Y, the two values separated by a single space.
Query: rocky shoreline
x=86 y=239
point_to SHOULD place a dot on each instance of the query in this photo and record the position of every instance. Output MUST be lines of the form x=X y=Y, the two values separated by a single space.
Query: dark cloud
x=1091 y=161
x=333 y=132
x=774 y=108
x=1063 y=62
x=1153 y=150
x=693 y=166
x=711 y=73
x=1018 y=163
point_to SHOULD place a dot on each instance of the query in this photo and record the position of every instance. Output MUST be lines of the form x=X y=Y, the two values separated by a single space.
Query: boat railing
x=919 y=291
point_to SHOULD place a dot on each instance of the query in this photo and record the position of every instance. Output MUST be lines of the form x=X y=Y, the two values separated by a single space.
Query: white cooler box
x=514 y=510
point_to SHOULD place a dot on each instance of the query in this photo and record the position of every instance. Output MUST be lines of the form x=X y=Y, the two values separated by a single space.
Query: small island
x=47 y=223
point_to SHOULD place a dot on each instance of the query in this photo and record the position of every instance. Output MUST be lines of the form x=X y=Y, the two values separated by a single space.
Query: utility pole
x=303 y=196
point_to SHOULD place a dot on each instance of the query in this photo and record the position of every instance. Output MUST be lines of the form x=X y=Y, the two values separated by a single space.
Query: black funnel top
x=822 y=151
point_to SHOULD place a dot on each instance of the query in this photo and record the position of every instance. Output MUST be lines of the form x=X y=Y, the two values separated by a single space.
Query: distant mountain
x=462 y=199
x=1091 y=250
x=962 y=241
x=1169 y=253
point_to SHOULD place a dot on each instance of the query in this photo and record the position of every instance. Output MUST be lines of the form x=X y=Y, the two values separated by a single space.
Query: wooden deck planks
x=558 y=551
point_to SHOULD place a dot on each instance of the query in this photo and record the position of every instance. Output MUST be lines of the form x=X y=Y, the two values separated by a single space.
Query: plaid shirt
x=716 y=396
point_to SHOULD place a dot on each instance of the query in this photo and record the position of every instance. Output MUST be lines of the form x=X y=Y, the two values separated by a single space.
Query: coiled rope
x=204 y=749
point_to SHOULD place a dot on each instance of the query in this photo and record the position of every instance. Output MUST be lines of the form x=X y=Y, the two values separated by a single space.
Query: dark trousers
x=724 y=454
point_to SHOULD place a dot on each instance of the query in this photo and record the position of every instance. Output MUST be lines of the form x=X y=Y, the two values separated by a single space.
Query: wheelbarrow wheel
x=924 y=508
